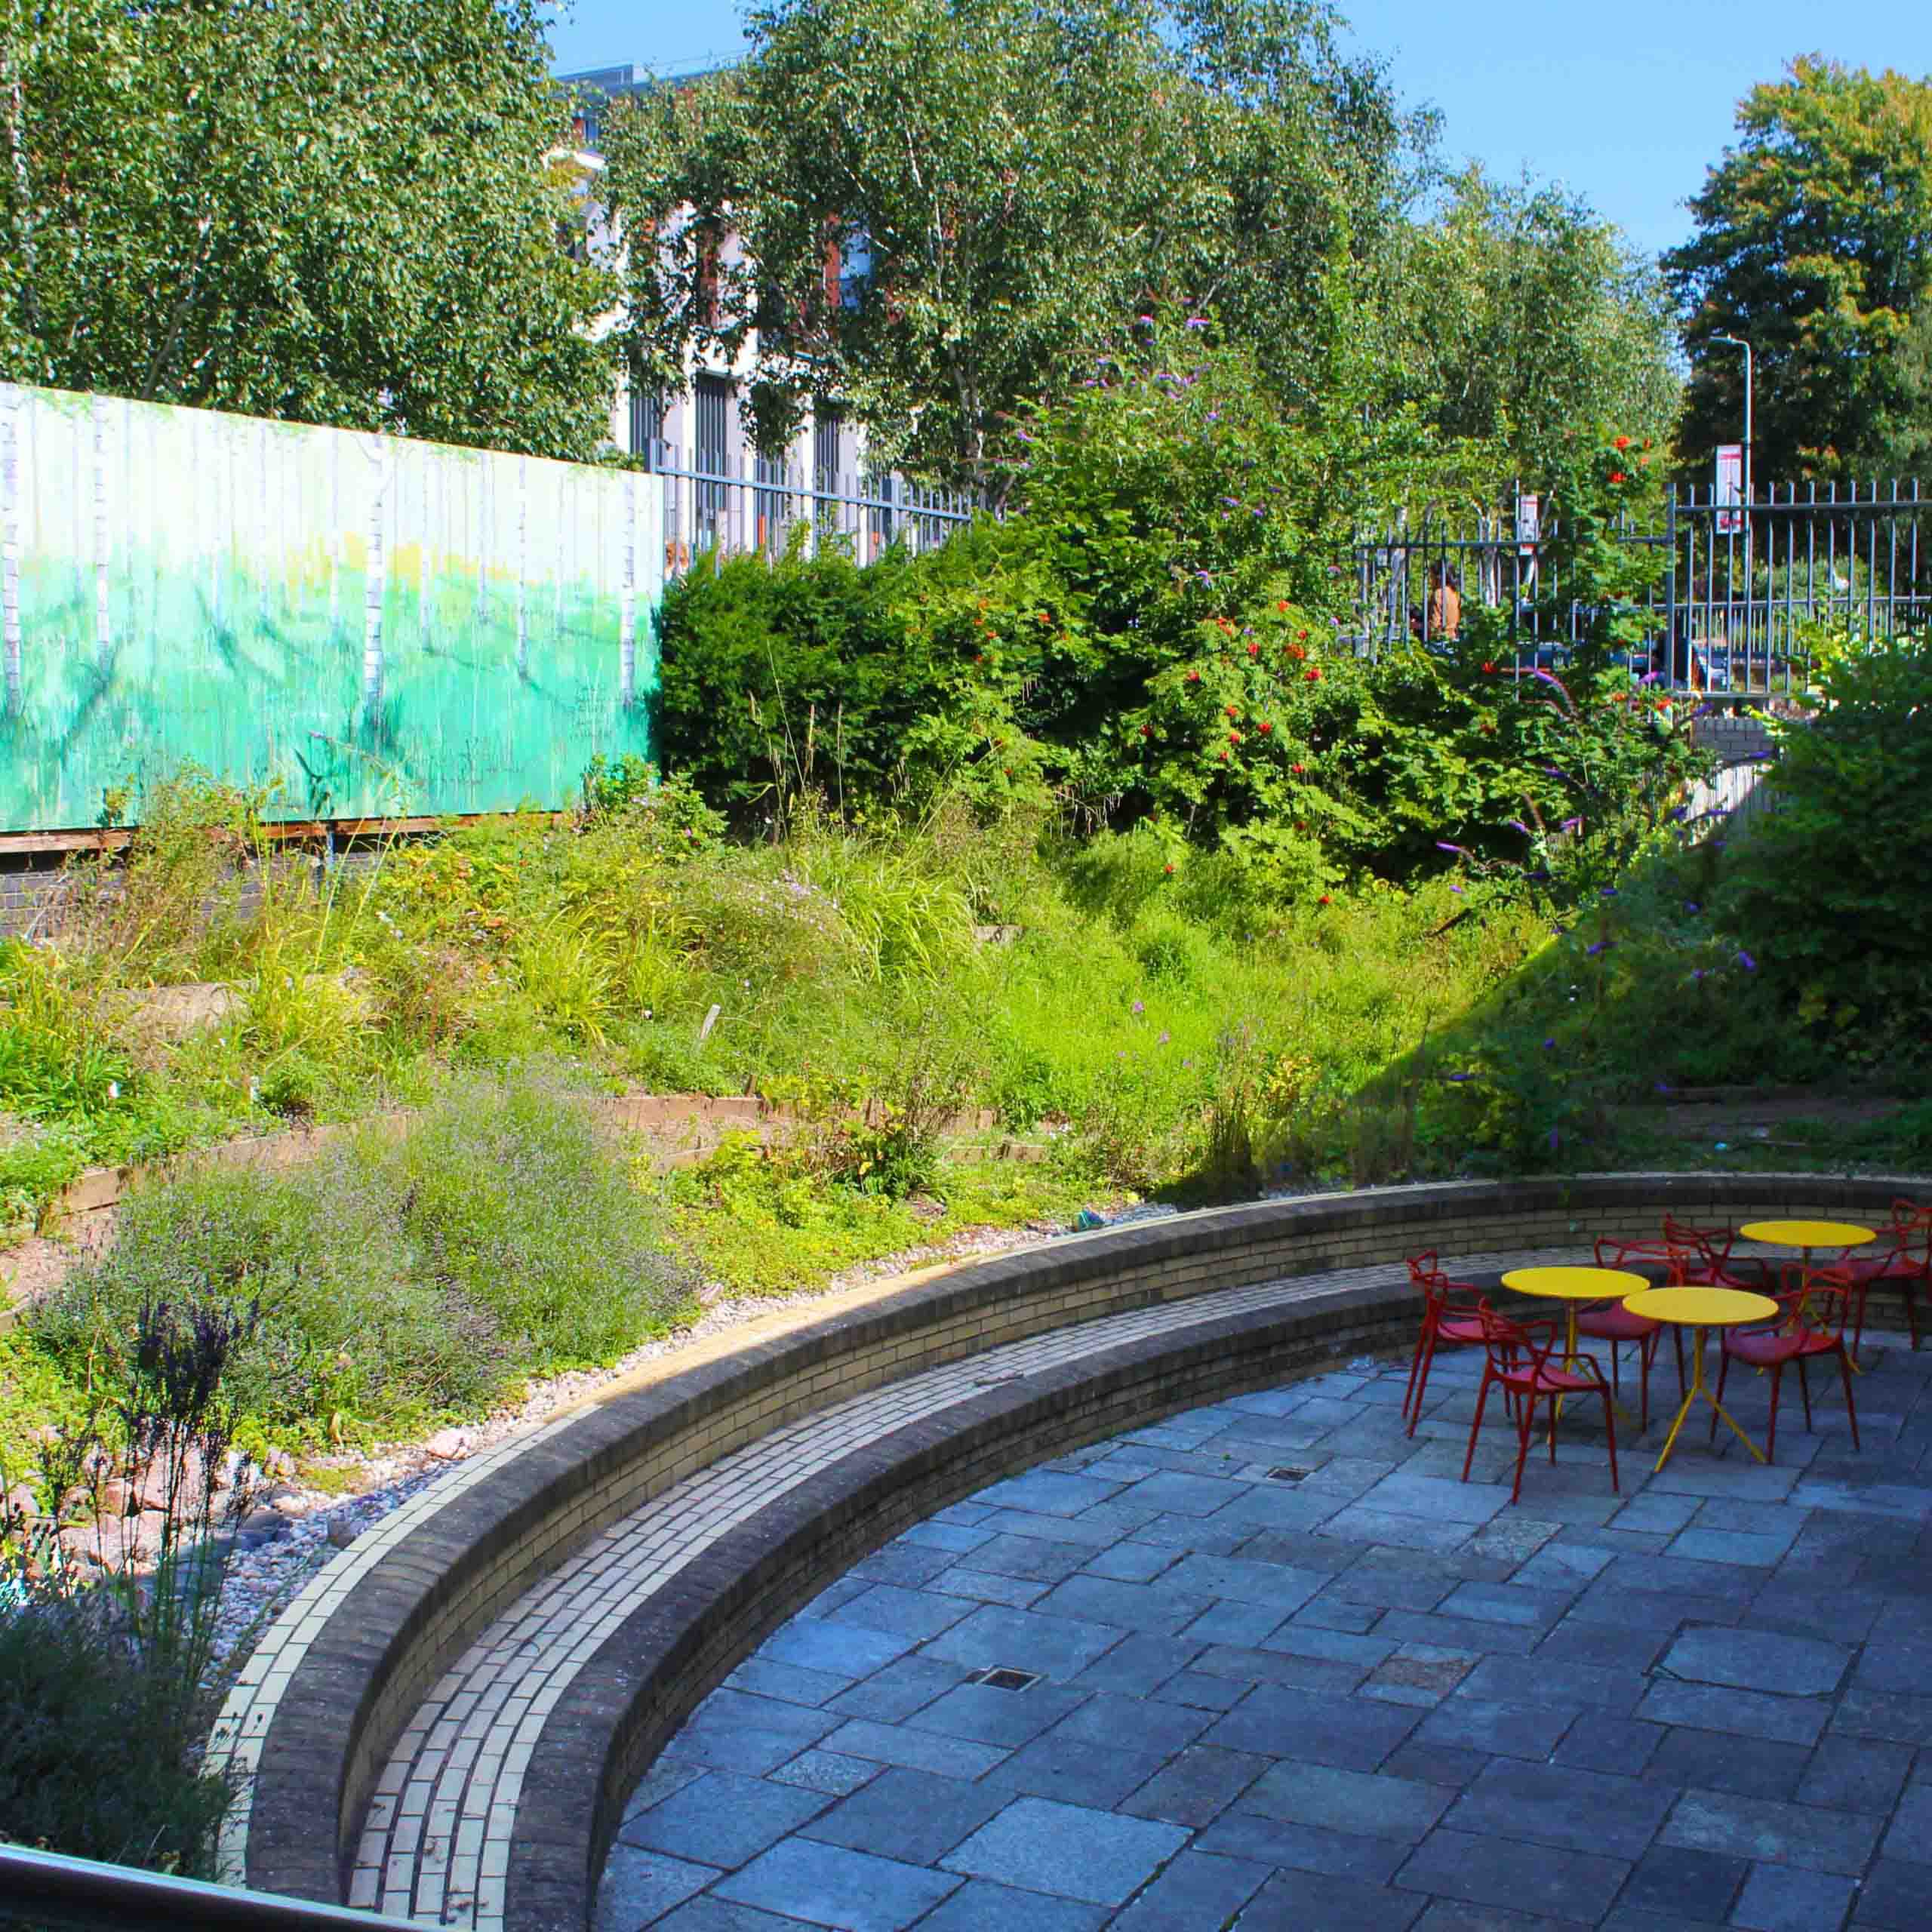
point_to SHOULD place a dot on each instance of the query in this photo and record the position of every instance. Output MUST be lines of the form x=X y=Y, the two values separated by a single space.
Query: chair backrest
x=1612 y=1252
x=1513 y=1346
x=1683 y=1263
x=1911 y=1230
x=1714 y=1244
x=1817 y=1301
x=1424 y=1267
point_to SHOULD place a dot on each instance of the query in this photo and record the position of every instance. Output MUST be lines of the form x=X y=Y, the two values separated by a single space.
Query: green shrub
x=1830 y=901
x=396 y=1276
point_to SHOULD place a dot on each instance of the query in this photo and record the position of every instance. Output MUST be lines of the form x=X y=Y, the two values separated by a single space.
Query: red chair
x=1613 y=1322
x=1445 y=1324
x=1812 y=1324
x=1519 y=1362
x=1906 y=1265
x=1708 y=1262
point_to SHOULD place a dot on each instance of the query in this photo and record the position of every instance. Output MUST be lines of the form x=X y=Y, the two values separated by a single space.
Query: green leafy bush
x=396 y=1275
x=1830 y=901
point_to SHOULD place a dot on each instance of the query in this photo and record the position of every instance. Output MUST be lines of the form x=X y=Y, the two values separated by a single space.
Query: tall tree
x=341 y=212
x=1813 y=244
x=946 y=206
x=1520 y=322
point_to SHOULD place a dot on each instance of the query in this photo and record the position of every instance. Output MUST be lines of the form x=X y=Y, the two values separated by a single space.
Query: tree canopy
x=1813 y=244
x=1520 y=322
x=946 y=204
x=339 y=213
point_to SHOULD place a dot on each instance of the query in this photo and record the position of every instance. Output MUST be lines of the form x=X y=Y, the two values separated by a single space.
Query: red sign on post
x=1728 y=491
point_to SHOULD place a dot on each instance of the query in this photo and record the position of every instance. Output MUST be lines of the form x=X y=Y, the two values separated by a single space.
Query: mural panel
x=368 y=625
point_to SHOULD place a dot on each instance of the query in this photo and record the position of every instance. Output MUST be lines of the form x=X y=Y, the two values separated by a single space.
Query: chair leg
x=1419 y=1378
x=1850 y=1407
x=1771 y=1434
x=1523 y=1443
x=1422 y=1341
x=1909 y=1289
x=1482 y=1396
x=1804 y=1389
x=1683 y=1387
x=1610 y=1430
x=1647 y=1356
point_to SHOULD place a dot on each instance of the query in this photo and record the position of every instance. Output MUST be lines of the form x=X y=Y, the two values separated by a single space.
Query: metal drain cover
x=1003 y=1677
x=1289 y=1472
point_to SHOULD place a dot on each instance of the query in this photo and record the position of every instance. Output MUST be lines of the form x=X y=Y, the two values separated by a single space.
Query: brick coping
x=321 y=1705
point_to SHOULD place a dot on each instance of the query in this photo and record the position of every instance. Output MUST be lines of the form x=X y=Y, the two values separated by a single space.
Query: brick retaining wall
x=344 y=1702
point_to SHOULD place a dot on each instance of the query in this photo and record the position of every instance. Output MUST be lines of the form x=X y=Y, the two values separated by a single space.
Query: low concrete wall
x=350 y=1693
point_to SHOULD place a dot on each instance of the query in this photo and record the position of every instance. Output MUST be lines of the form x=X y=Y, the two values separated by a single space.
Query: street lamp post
x=1738 y=341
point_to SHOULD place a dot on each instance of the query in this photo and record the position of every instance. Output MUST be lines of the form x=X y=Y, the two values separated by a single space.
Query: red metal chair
x=1708 y=1262
x=1519 y=1362
x=1812 y=1324
x=1611 y=1321
x=1445 y=1324
x=1906 y=1265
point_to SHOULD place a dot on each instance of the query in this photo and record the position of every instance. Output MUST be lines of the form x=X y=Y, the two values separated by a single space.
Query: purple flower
x=1697 y=974
x=1517 y=825
x=1570 y=825
x=1601 y=946
x=1139 y=1006
x=1455 y=888
x=1214 y=416
x=1146 y=322
x=1443 y=845
x=1606 y=892
x=1749 y=964
x=1552 y=1140
x=1548 y=1045
x=1664 y=1087
x=1162 y=1040
x=1196 y=322
x=1459 y=1076
x=1691 y=905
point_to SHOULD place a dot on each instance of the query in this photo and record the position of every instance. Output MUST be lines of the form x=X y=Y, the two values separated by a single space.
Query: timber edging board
x=350 y=1693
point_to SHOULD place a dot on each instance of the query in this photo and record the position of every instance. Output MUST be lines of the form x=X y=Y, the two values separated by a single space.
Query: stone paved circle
x=1278 y=1667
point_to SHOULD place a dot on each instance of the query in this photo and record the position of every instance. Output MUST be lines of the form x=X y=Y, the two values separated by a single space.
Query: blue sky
x=1626 y=103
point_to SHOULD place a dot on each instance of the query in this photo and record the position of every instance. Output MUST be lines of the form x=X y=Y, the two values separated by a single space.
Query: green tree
x=1813 y=244
x=1521 y=321
x=340 y=213
x=945 y=205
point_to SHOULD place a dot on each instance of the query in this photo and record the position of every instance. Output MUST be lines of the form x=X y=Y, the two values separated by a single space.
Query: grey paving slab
x=1070 y=1851
x=1559 y=1804
x=639 y=1887
x=1697 y=1885
x=1840 y=1841
x=1055 y=1647
x=1192 y=1892
x=1293 y=1901
x=1757 y=1660
x=1374 y=1806
x=1491 y=1871
x=1788 y=1898
x=1743 y=1713
x=723 y=1819
x=828 y=1885
x=980 y=1906
x=1195 y=1785
x=910 y=1815
x=1239 y=1833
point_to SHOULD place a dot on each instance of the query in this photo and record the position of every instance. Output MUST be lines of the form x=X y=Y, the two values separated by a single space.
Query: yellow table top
x=1808 y=1234
x=1574 y=1283
x=1701 y=1307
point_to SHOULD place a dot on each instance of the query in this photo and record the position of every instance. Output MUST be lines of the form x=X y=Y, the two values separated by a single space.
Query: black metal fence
x=716 y=507
x=1732 y=594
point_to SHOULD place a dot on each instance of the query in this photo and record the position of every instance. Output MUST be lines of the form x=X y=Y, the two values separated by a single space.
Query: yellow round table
x=1574 y=1285
x=1805 y=1236
x=1700 y=1310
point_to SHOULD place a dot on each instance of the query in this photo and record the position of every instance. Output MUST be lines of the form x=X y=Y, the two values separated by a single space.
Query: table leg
x=1697 y=1388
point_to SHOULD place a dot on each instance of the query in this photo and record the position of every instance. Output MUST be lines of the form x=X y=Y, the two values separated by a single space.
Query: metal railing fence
x=1727 y=603
x=46 y=1888
x=720 y=509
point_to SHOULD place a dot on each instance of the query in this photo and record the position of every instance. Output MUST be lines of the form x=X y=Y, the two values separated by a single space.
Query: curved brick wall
x=383 y=1637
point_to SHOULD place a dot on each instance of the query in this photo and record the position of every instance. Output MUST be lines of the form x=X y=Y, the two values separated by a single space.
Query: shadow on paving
x=1354 y=1693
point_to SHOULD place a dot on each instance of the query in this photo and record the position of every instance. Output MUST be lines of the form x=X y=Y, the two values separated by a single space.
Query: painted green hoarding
x=372 y=627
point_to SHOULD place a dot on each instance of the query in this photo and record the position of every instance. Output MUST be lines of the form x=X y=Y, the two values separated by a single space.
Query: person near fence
x=1442 y=618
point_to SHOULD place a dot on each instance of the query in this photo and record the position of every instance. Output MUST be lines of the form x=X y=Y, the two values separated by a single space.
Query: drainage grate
x=1003 y=1677
x=1289 y=1472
